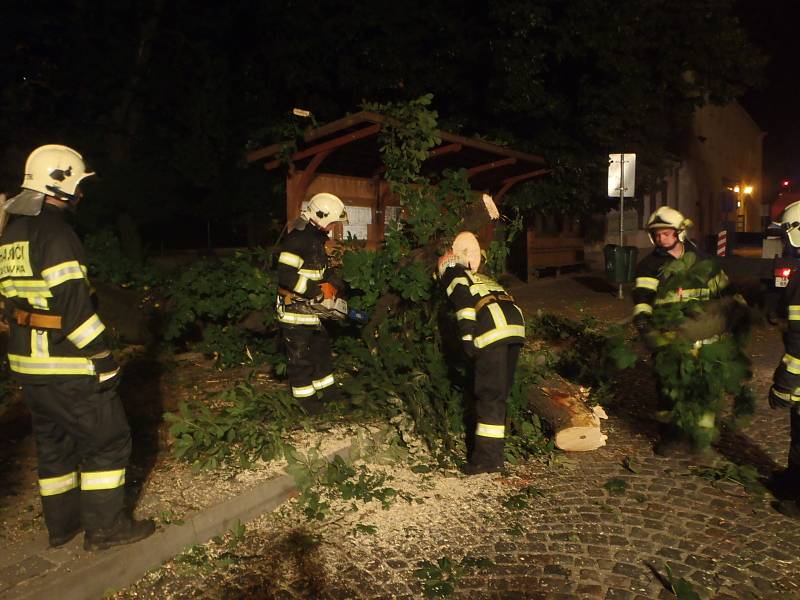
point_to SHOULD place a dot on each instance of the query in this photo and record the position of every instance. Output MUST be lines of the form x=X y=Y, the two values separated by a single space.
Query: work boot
x=311 y=405
x=56 y=540
x=785 y=484
x=124 y=531
x=673 y=442
x=788 y=508
x=476 y=469
x=486 y=457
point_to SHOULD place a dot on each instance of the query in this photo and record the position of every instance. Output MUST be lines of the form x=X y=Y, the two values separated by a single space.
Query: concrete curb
x=93 y=575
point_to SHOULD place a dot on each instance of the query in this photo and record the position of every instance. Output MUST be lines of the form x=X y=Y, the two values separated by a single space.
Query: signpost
x=622 y=183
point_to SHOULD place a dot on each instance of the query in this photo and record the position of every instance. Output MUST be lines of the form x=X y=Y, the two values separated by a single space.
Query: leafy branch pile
x=246 y=426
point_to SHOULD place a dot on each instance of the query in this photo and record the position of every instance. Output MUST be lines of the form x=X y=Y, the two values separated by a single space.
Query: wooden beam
x=511 y=181
x=490 y=166
x=329 y=145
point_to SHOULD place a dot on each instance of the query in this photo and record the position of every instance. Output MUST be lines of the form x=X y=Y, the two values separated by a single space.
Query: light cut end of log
x=580 y=439
x=563 y=406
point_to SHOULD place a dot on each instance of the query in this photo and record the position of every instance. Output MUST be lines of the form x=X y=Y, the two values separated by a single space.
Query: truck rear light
x=783 y=272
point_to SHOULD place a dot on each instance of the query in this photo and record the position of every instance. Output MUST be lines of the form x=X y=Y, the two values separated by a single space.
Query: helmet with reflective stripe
x=55 y=171
x=790 y=223
x=324 y=209
x=668 y=218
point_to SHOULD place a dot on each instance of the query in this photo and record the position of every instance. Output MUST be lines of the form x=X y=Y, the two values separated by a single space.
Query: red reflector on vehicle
x=783 y=272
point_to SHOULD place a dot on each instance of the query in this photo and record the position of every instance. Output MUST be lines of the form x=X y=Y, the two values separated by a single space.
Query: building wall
x=725 y=149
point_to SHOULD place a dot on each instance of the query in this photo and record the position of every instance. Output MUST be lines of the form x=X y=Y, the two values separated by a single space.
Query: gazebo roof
x=349 y=146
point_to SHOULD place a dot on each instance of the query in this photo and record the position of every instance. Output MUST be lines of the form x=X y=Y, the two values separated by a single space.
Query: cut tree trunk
x=563 y=406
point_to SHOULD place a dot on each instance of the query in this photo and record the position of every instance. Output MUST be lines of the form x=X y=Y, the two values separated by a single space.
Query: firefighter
x=492 y=332
x=684 y=295
x=303 y=277
x=58 y=351
x=785 y=390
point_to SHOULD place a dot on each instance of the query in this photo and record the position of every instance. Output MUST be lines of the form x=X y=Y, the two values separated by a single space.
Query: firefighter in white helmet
x=59 y=352
x=303 y=276
x=785 y=390
x=492 y=332
x=678 y=281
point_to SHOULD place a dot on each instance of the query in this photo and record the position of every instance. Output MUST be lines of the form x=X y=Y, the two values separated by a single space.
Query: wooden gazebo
x=343 y=157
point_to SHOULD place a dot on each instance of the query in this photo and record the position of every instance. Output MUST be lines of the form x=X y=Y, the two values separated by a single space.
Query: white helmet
x=668 y=218
x=324 y=209
x=467 y=250
x=790 y=223
x=50 y=170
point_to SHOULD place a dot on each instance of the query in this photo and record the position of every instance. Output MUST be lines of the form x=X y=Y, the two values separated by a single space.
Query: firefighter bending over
x=303 y=277
x=58 y=351
x=692 y=323
x=492 y=332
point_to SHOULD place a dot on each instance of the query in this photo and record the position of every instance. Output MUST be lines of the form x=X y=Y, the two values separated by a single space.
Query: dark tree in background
x=164 y=97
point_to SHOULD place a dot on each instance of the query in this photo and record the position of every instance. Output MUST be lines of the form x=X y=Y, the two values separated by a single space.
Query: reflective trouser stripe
x=102 y=480
x=792 y=364
x=326 y=381
x=642 y=309
x=490 y=431
x=794 y=312
x=52 y=486
x=303 y=392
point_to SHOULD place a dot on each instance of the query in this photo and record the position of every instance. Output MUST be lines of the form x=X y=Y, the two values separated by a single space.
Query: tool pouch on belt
x=491 y=298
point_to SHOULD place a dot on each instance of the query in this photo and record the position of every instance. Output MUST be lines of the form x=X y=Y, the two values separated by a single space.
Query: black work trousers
x=494 y=375
x=310 y=367
x=794 y=445
x=83 y=444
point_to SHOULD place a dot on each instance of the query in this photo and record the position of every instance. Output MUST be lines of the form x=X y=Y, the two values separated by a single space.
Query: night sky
x=774 y=104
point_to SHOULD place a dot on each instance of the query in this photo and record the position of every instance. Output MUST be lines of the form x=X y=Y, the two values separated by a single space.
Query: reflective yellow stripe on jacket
x=62 y=272
x=647 y=283
x=794 y=312
x=86 y=332
x=50 y=365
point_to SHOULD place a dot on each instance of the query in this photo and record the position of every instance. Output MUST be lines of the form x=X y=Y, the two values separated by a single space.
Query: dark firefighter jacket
x=301 y=268
x=648 y=278
x=486 y=314
x=787 y=375
x=43 y=271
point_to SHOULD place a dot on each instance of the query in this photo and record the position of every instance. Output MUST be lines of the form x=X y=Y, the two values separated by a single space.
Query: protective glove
x=654 y=340
x=780 y=398
x=328 y=291
x=445 y=261
x=106 y=369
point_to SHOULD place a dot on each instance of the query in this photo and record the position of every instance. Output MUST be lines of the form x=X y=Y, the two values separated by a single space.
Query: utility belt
x=36 y=320
x=491 y=299
x=289 y=297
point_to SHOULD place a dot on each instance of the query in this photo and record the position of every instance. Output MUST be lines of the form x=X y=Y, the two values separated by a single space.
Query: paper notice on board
x=358 y=232
x=359 y=215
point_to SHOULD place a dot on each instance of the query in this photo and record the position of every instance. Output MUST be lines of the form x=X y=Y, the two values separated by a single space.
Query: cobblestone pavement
x=585 y=536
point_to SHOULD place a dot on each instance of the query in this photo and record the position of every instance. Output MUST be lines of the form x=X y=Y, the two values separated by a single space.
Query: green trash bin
x=620 y=262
